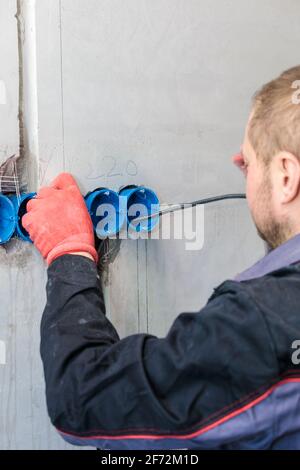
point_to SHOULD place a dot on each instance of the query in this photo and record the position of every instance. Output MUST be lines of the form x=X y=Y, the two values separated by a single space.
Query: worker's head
x=270 y=158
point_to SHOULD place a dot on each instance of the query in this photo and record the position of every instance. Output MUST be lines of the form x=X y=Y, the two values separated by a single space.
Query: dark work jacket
x=226 y=377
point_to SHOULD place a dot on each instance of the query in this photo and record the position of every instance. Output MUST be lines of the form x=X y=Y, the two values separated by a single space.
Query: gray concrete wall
x=9 y=127
x=136 y=91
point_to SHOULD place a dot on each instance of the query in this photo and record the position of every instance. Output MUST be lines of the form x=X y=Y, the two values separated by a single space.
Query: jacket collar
x=283 y=255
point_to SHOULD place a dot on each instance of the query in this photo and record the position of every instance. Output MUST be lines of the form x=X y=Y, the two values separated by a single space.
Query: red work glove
x=58 y=221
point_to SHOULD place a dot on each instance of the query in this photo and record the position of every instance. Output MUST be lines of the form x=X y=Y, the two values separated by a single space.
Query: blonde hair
x=275 y=124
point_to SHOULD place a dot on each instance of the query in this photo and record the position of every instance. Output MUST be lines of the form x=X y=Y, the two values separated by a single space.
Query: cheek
x=254 y=190
x=250 y=189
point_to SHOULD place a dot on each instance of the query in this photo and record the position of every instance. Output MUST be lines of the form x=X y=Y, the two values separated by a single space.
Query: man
x=226 y=377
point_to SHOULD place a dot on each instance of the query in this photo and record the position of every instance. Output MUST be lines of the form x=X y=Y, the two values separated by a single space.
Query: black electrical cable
x=186 y=205
x=207 y=200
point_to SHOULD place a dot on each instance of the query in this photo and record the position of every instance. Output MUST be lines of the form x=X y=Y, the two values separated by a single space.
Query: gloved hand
x=58 y=221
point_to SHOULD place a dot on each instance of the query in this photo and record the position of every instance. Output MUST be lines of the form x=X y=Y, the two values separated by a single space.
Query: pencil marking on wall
x=113 y=166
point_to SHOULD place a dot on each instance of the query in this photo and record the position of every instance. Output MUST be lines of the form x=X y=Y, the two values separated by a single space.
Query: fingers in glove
x=32 y=204
x=63 y=181
x=26 y=221
x=45 y=192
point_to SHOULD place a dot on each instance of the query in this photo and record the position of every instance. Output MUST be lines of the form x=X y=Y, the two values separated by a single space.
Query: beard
x=273 y=232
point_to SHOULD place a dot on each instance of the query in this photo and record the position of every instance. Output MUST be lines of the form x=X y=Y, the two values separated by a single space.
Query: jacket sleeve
x=144 y=392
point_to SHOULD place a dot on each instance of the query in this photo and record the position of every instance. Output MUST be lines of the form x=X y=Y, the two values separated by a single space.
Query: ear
x=289 y=176
x=239 y=161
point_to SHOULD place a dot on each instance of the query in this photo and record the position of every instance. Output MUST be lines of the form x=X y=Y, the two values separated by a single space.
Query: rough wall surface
x=137 y=91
